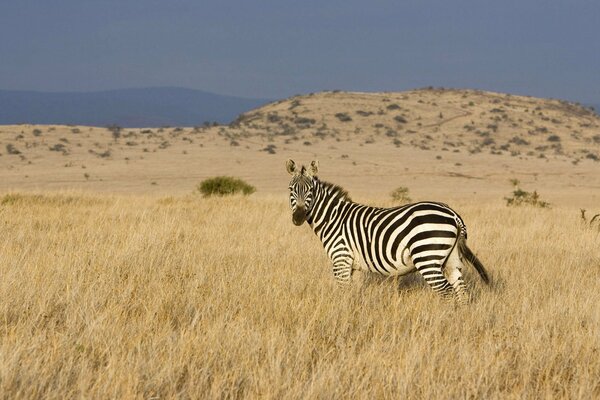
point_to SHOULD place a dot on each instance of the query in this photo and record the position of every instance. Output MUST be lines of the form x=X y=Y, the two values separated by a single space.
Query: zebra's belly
x=400 y=267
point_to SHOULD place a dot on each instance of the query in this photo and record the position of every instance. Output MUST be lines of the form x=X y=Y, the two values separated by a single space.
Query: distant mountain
x=125 y=107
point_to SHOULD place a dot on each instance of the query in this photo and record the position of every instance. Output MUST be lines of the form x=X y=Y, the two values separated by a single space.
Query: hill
x=446 y=145
x=435 y=119
x=127 y=107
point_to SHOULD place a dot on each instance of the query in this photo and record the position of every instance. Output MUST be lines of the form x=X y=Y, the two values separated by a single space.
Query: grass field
x=106 y=296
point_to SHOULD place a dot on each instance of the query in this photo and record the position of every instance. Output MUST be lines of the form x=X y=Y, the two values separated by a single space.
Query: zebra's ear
x=290 y=165
x=314 y=168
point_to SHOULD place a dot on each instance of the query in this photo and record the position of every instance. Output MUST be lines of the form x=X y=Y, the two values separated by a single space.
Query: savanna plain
x=120 y=282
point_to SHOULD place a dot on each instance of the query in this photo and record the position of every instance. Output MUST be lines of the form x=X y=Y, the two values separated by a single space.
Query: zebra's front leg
x=342 y=271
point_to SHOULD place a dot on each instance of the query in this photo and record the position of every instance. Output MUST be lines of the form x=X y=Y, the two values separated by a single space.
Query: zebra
x=428 y=237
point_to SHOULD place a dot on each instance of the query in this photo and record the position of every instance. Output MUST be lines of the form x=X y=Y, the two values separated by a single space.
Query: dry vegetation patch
x=145 y=297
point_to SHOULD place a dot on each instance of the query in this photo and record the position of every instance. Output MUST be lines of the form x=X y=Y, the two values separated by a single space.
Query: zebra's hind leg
x=453 y=272
x=433 y=275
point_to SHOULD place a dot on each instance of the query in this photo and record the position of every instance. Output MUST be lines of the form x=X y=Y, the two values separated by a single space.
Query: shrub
x=400 y=119
x=488 y=141
x=273 y=118
x=519 y=141
x=270 y=149
x=343 y=117
x=224 y=186
x=11 y=149
x=104 y=154
x=554 y=138
x=592 y=156
x=304 y=121
x=115 y=130
x=60 y=148
x=521 y=197
x=400 y=195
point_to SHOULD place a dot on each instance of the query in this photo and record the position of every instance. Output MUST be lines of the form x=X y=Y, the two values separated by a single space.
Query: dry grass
x=142 y=297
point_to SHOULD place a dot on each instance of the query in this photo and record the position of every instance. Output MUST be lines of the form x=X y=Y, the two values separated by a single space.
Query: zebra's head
x=301 y=189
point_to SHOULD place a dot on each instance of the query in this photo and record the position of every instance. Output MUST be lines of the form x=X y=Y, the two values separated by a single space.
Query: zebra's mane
x=336 y=190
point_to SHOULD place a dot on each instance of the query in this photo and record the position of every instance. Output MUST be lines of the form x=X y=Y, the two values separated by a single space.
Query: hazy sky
x=278 y=48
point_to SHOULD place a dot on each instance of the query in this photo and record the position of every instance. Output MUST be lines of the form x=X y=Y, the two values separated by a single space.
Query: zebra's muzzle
x=299 y=216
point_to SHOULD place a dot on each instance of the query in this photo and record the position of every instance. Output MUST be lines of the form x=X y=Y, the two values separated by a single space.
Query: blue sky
x=279 y=48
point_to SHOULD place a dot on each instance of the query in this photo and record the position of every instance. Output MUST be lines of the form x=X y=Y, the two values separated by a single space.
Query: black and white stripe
x=427 y=237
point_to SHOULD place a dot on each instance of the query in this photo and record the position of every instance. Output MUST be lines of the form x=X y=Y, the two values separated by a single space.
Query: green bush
x=521 y=197
x=224 y=186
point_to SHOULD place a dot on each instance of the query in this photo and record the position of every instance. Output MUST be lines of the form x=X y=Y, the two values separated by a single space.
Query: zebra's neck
x=327 y=202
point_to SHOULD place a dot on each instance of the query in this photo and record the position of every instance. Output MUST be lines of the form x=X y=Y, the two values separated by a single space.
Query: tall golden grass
x=146 y=297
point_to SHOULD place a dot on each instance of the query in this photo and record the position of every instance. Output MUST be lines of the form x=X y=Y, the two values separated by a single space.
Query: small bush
x=224 y=186
x=104 y=154
x=400 y=195
x=11 y=149
x=343 y=117
x=304 y=121
x=60 y=148
x=592 y=156
x=273 y=118
x=493 y=127
x=521 y=197
x=519 y=141
x=488 y=141
x=115 y=130
x=554 y=138
x=270 y=149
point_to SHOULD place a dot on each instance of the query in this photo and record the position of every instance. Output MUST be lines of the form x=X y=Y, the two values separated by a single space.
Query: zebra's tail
x=467 y=254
